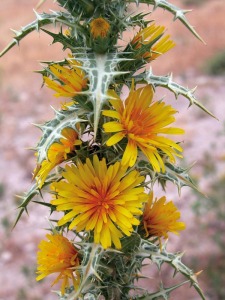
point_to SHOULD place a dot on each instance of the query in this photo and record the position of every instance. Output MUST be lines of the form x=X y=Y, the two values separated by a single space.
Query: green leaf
x=168 y=83
x=160 y=256
x=91 y=255
x=30 y=194
x=176 y=11
x=84 y=8
x=52 y=130
x=41 y=21
x=100 y=70
x=162 y=293
x=175 y=174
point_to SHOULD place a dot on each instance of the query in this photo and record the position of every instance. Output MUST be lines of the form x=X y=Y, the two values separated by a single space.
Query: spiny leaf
x=134 y=58
x=30 y=194
x=52 y=130
x=82 y=7
x=26 y=198
x=160 y=256
x=136 y=20
x=179 y=176
x=41 y=21
x=168 y=83
x=91 y=255
x=66 y=42
x=100 y=70
x=176 y=11
x=162 y=293
x=175 y=174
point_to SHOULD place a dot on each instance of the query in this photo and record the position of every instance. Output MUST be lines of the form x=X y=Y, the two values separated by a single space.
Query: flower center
x=136 y=126
x=103 y=199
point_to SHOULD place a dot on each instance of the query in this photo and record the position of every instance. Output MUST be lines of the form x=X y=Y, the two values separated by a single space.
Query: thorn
x=19 y=196
x=55 y=110
x=37 y=125
x=175 y=272
x=37 y=14
x=186 y=11
x=181 y=254
x=113 y=250
x=39 y=4
x=15 y=31
x=178 y=15
x=37 y=169
x=156 y=4
x=95 y=274
x=30 y=148
x=194 y=89
x=15 y=42
x=179 y=190
x=198 y=273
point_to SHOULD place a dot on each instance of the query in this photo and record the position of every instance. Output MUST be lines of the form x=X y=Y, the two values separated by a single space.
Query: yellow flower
x=58 y=255
x=142 y=122
x=100 y=198
x=147 y=36
x=99 y=28
x=57 y=153
x=160 y=217
x=72 y=79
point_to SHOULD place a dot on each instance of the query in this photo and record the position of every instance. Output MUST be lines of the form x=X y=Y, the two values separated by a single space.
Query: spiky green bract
x=176 y=11
x=101 y=69
x=168 y=83
x=91 y=254
x=52 y=130
x=115 y=11
x=163 y=293
x=107 y=273
x=42 y=20
x=83 y=8
x=31 y=194
x=113 y=274
x=159 y=257
x=175 y=174
x=87 y=8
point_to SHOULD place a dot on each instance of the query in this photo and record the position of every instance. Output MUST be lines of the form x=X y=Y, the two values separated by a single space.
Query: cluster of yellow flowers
x=109 y=199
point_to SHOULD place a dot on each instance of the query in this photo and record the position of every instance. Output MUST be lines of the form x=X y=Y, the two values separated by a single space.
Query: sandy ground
x=24 y=102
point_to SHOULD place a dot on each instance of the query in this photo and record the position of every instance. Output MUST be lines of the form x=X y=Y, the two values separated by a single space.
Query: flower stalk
x=102 y=156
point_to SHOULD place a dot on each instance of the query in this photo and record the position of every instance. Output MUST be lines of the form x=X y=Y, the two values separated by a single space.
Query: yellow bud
x=99 y=28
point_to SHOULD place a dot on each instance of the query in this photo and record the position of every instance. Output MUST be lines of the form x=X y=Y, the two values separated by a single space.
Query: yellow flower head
x=160 y=217
x=143 y=123
x=100 y=198
x=99 y=28
x=57 y=153
x=72 y=79
x=147 y=36
x=58 y=255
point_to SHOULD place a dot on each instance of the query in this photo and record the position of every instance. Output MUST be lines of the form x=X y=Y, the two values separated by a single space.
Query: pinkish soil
x=23 y=102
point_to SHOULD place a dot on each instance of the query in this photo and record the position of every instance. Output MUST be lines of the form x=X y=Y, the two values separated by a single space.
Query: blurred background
x=24 y=102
